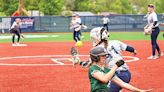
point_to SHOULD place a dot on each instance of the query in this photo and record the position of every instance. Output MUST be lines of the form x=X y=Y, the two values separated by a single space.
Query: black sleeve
x=155 y=22
x=130 y=49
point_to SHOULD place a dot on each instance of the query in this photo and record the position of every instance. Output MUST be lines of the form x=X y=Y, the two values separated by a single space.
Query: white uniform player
x=153 y=21
x=105 y=22
x=99 y=37
x=76 y=26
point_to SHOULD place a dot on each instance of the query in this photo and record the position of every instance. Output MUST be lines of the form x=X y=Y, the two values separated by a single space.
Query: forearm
x=130 y=87
x=162 y=24
x=85 y=64
x=125 y=85
x=110 y=74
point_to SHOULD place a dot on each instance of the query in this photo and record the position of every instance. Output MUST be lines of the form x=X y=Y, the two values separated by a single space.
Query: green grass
x=68 y=37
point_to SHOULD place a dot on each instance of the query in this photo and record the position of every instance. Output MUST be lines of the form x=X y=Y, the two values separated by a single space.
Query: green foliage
x=9 y=6
x=159 y=6
x=51 y=7
x=32 y=4
x=69 y=4
x=55 y=7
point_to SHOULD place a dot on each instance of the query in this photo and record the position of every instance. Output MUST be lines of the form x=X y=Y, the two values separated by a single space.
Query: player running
x=15 y=30
x=99 y=75
x=99 y=37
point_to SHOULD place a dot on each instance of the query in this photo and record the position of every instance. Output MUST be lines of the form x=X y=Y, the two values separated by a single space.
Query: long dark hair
x=105 y=43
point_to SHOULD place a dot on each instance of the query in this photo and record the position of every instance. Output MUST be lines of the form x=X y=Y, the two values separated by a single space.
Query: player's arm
x=131 y=50
x=161 y=24
x=106 y=77
x=128 y=86
x=76 y=60
x=13 y=27
x=84 y=64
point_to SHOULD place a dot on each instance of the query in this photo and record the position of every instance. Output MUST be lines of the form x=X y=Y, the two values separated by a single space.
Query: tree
x=51 y=7
x=69 y=4
x=159 y=6
x=32 y=4
x=9 y=6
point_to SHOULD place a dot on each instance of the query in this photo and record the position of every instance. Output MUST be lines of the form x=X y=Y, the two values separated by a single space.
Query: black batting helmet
x=96 y=52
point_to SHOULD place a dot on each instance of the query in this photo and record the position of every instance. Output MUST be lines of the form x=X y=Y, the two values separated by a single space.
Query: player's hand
x=75 y=57
x=120 y=63
x=134 y=53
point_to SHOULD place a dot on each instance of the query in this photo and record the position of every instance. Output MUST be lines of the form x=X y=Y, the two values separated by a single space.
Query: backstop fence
x=124 y=23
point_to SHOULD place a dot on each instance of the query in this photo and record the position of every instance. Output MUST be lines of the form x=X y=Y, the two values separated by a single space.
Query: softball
x=79 y=44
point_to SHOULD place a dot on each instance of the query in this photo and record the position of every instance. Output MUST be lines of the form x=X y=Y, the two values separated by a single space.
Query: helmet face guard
x=98 y=35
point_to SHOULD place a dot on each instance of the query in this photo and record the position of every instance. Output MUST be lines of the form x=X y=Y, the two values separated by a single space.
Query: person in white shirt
x=76 y=26
x=105 y=20
x=15 y=30
x=153 y=23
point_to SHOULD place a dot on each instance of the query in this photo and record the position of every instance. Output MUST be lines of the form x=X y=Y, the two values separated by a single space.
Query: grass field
x=44 y=64
x=60 y=37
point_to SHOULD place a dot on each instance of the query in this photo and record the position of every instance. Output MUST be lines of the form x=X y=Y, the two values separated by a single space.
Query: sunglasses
x=151 y=6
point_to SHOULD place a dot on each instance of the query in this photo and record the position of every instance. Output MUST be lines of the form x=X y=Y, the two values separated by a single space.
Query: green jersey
x=96 y=85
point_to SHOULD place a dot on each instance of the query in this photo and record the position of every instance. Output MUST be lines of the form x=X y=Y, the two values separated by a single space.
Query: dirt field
x=46 y=67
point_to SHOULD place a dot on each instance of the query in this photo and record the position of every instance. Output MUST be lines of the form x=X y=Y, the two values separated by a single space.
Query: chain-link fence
x=61 y=23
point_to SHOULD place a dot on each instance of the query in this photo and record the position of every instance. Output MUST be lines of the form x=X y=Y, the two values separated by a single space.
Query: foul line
x=41 y=56
x=58 y=62
x=54 y=58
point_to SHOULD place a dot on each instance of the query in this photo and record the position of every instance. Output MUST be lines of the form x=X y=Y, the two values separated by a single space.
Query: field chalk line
x=55 y=58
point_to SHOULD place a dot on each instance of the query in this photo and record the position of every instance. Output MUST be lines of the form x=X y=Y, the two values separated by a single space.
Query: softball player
x=99 y=37
x=105 y=20
x=99 y=75
x=76 y=26
x=153 y=22
x=15 y=30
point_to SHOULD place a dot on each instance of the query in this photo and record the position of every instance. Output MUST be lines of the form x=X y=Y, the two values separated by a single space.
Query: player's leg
x=107 y=26
x=18 y=34
x=123 y=75
x=157 y=46
x=154 y=44
x=74 y=36
x=13 y=36
x=80 y=34
x=77 y=35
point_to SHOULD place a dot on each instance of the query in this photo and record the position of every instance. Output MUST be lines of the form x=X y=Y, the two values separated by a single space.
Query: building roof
x=85 y=13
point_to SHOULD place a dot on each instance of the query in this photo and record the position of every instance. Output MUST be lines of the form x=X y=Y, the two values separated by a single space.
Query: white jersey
x=115 y=48
x=76 y=23
x=151 y=18
x=105 y=20
x=15 y=26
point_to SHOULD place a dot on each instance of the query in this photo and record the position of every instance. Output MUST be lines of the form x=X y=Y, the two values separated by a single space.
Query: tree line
x=55 y=7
